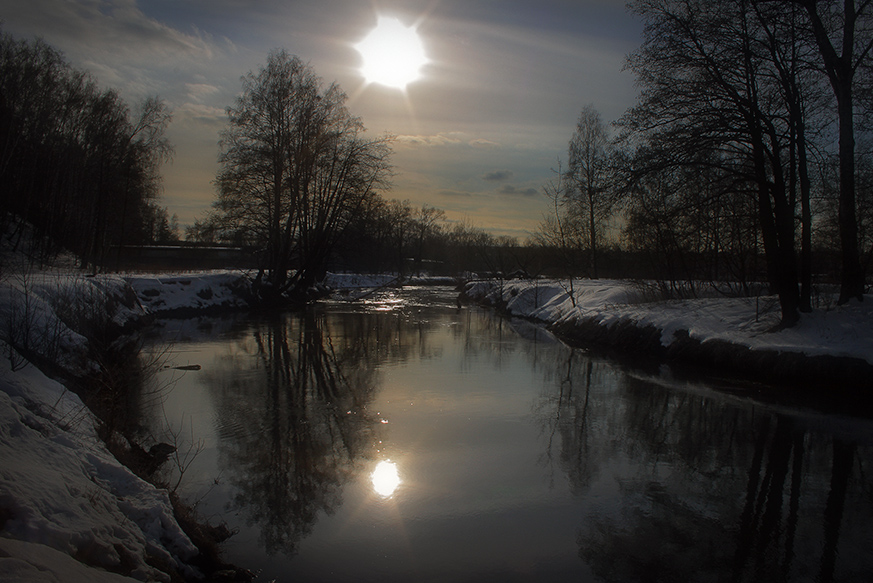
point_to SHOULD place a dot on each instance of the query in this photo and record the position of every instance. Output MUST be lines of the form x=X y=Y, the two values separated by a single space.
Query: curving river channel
x=401 y=438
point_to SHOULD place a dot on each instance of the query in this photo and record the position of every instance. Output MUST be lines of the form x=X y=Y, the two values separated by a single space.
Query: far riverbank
x=830 y=349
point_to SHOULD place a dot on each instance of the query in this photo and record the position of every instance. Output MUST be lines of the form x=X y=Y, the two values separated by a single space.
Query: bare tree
x=295 y=167
x=556 y=232
x=588 y=177
x=852 y=24
x=711 y=93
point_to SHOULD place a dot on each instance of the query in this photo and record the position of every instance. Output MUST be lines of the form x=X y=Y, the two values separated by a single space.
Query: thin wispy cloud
x=436 y=140
x=498 y=175
x=454 y=193
x=514 y=191
x=200 y=91
x=483 y=143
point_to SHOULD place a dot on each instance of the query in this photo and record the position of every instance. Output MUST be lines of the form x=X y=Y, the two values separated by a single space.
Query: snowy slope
x=838 y=331
x=69 y=511
x=62 y=491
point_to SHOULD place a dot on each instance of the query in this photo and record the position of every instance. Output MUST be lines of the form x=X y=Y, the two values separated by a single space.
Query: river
x=402 y=438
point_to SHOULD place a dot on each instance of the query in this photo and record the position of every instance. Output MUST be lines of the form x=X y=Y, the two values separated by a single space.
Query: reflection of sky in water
x=515 y=455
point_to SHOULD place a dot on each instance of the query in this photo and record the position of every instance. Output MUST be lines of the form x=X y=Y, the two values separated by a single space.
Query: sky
x=478 y=134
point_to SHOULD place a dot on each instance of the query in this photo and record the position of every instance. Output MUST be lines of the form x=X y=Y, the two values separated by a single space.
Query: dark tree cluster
x=75 y=162
x=392 y=236
x=750 y=96
x=747 y=156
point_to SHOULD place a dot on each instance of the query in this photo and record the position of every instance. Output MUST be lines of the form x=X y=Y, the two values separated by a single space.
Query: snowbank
x=69 y=511
x=188 y=294
x=348 y=281
x=358 y=280
x=66 y=496
x=45 y=316
x=833 y=345
x=184 y=295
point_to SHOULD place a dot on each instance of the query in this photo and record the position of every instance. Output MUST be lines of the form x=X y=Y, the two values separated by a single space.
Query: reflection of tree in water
x=294 y=423
x=571 y=411
x=708 y=488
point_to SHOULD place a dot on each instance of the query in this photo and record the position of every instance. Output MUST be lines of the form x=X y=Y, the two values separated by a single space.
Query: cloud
x=513 y=191
x=120 y=45
x=436 y=140
x=483 y=143
x=200 y=112
x=199 y=91
x=116 y=28
x=444 y=139
x=498 y=175
x=454 y=193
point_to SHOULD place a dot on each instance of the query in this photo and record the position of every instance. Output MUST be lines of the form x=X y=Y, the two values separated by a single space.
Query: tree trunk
x=777 y=231
x=852 y=279
x=591 y=226
x=840 y=69
x=805 y=223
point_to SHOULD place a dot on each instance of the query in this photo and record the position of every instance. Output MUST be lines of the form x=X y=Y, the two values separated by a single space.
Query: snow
x=61 y=490
x=69 y=511
x=25 y=562
x=40 y=311
x=176 y=293
x=844 y=331
x=358 y=280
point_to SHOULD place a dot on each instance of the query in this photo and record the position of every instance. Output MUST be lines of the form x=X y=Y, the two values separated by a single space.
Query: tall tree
x=588 y=177
x=295 y=167
x=783 y=40
x=709 y=94
x=851 y=24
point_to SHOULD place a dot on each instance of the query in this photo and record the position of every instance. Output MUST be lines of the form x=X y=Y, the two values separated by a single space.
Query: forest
x=76 y=163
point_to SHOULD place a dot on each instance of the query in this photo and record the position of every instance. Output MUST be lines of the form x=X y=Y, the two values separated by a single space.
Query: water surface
x=401 y=438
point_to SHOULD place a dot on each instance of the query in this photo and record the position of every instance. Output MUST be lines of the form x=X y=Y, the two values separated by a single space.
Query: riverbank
x=830 y=349
x=69 y=509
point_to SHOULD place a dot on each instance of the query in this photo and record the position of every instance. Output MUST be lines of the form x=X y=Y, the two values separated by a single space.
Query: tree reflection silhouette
x=296 y=424
x=707 y=487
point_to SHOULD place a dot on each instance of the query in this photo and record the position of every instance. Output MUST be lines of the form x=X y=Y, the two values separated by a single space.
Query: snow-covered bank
x=192 y=293
x=831 y=346
x=47 y=316
x=183 y=295
x=61 y=490
x=69 y=510
x=346 y=281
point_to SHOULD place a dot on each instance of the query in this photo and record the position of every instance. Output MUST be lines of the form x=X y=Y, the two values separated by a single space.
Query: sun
x=393 y=54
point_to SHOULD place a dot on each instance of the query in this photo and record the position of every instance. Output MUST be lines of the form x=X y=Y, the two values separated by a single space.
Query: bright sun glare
x=385 y=478
x=393 y=54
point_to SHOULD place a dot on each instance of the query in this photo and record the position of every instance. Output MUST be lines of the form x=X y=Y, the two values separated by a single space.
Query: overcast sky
x=478 y=134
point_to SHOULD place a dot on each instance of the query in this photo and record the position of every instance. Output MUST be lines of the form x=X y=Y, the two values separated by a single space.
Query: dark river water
x=401 y=438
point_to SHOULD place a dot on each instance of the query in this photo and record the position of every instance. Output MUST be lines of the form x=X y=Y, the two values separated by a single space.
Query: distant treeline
x=75 y=162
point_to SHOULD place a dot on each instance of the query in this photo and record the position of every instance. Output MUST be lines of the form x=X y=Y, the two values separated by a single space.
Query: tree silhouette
x=295 y=168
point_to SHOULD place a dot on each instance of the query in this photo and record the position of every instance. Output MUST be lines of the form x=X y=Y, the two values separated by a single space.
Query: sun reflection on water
x=385 y=478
